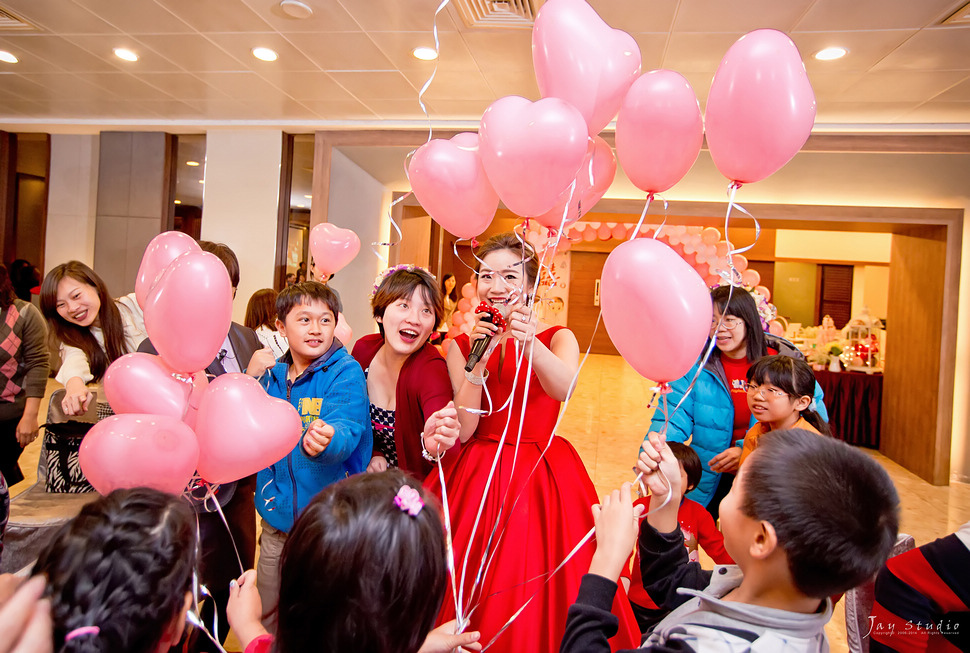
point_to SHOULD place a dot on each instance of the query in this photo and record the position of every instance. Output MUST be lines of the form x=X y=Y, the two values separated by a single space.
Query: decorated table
x=854 y=403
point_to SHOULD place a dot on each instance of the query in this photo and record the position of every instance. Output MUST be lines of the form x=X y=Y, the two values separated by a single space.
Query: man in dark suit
x=218 y=564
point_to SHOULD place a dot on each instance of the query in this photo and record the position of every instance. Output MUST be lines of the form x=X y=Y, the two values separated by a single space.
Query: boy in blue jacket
x=327 y=387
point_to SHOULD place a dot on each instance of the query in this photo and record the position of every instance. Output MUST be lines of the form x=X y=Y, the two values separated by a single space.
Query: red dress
x=544 y=515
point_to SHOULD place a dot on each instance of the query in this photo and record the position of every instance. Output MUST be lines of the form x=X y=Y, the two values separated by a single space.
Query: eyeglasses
x=766 y=391
x=729 y=322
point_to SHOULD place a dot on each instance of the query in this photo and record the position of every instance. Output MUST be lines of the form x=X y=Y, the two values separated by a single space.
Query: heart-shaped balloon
x=448 y=179
x=531 y=151
x=659 y=131
x=143 y=383
x=161 y=251
x=582 y=60
x=136 y=450
x=343 y=332
x=189 y=310
x=592 y=181
x=332 y=247
x=647 y=288
x=761 y=107
x=242 y=429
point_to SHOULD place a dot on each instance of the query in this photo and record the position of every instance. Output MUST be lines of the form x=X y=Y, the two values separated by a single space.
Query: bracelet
x=476 y=380
x=427 y=455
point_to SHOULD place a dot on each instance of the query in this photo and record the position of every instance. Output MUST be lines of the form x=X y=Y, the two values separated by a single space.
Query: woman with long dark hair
x=715 y=415
x=23 y=376
x=94 y=330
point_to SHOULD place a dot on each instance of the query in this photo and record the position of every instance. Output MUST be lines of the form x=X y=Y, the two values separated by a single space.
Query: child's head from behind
x=780 y=390
x=829 y=508
x=359 y=572
x=125 y=565
x=690 y=465
x=307 y=315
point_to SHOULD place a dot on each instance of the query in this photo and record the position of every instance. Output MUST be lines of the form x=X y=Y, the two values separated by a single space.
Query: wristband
x=427 y=455
x=476 y=380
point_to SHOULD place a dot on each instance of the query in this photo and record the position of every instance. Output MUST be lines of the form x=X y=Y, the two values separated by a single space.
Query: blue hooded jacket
x=706 y=418
x=333 y=389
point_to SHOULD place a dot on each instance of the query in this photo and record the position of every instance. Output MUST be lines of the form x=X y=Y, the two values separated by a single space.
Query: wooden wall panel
x=915 y=433
x=587 y=268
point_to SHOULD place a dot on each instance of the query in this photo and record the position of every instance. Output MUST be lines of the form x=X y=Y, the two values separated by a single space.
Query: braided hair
x=124 y=565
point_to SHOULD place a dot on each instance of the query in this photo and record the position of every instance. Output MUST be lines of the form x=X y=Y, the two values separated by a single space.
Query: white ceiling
x=351 y=60
x=350 y=64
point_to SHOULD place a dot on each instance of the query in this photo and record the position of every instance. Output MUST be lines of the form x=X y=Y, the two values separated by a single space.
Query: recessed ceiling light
x=295 y=9
x=424 y=54
x=202 y=181
x=828 y=54
x=265 y=54
x=309 y=197
x=302 y=206
x=8 y=57
x=191 y=163
x=178 y=201
x=126 y=54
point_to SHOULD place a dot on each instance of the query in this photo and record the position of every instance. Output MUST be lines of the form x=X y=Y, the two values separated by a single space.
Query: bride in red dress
x=537 y=505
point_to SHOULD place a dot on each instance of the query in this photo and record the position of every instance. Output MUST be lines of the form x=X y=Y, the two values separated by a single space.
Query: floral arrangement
x=823 y=354
x=407 y=267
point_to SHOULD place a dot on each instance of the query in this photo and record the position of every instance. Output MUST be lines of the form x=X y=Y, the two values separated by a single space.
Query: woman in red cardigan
x=414 y=418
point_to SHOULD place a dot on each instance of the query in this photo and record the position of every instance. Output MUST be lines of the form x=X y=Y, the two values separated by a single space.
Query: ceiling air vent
x=959 y=18
x=11 y=23
x=499 y=13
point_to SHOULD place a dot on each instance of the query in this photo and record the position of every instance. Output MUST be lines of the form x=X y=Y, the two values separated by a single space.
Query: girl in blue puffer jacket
x=715 y=416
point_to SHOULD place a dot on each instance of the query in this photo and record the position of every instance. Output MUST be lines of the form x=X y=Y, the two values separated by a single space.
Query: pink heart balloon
x=188 y=312
x=136 y=450
x=531 y=151
x=647 y=288
x=332 y=247
x=242 y=429
x=448 y=179
x=659 y=131
x=161 y=251
x=582 y=60
x=592 y=181
x=761 y=107
x=143 y=383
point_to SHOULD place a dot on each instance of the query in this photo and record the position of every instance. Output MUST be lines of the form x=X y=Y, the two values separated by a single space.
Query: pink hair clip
x=81 y=632
x=409 y=500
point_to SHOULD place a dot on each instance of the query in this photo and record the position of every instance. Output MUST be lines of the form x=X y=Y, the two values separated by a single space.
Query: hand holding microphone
x=496 y=324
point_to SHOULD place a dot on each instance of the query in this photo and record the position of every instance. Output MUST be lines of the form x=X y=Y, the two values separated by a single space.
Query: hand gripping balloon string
x=562 y=412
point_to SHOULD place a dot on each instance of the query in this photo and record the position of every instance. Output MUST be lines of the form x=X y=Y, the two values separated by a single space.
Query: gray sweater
x=701 y=621
x=26 y=344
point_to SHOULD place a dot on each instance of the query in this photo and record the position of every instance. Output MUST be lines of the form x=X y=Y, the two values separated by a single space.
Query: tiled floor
x=607 y=418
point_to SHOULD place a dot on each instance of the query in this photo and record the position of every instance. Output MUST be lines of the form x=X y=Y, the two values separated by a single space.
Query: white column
x=241 y=201
x=72 y=197
x=360 y=203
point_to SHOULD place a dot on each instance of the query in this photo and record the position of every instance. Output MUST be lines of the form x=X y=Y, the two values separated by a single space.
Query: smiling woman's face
x=501 y=279
x=78 y=302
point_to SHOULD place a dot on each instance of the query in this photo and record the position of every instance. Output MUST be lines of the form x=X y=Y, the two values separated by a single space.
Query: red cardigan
x=422 y=388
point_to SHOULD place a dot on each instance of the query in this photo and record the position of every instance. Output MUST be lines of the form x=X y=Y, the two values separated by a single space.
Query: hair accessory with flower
x=409 y=500
x=406 y=267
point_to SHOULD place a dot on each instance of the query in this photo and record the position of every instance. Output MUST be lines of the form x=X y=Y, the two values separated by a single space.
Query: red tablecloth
x=854 y=402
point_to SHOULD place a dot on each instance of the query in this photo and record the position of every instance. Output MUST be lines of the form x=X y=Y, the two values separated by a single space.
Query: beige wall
x=833 y=245
x=72 y=198
x=240 y=203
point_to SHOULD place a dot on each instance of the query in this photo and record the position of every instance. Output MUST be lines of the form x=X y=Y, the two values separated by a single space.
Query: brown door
x=583 y=309
x=834 y=294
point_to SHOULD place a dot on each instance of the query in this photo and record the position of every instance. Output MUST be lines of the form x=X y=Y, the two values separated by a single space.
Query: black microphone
x=479 y=346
